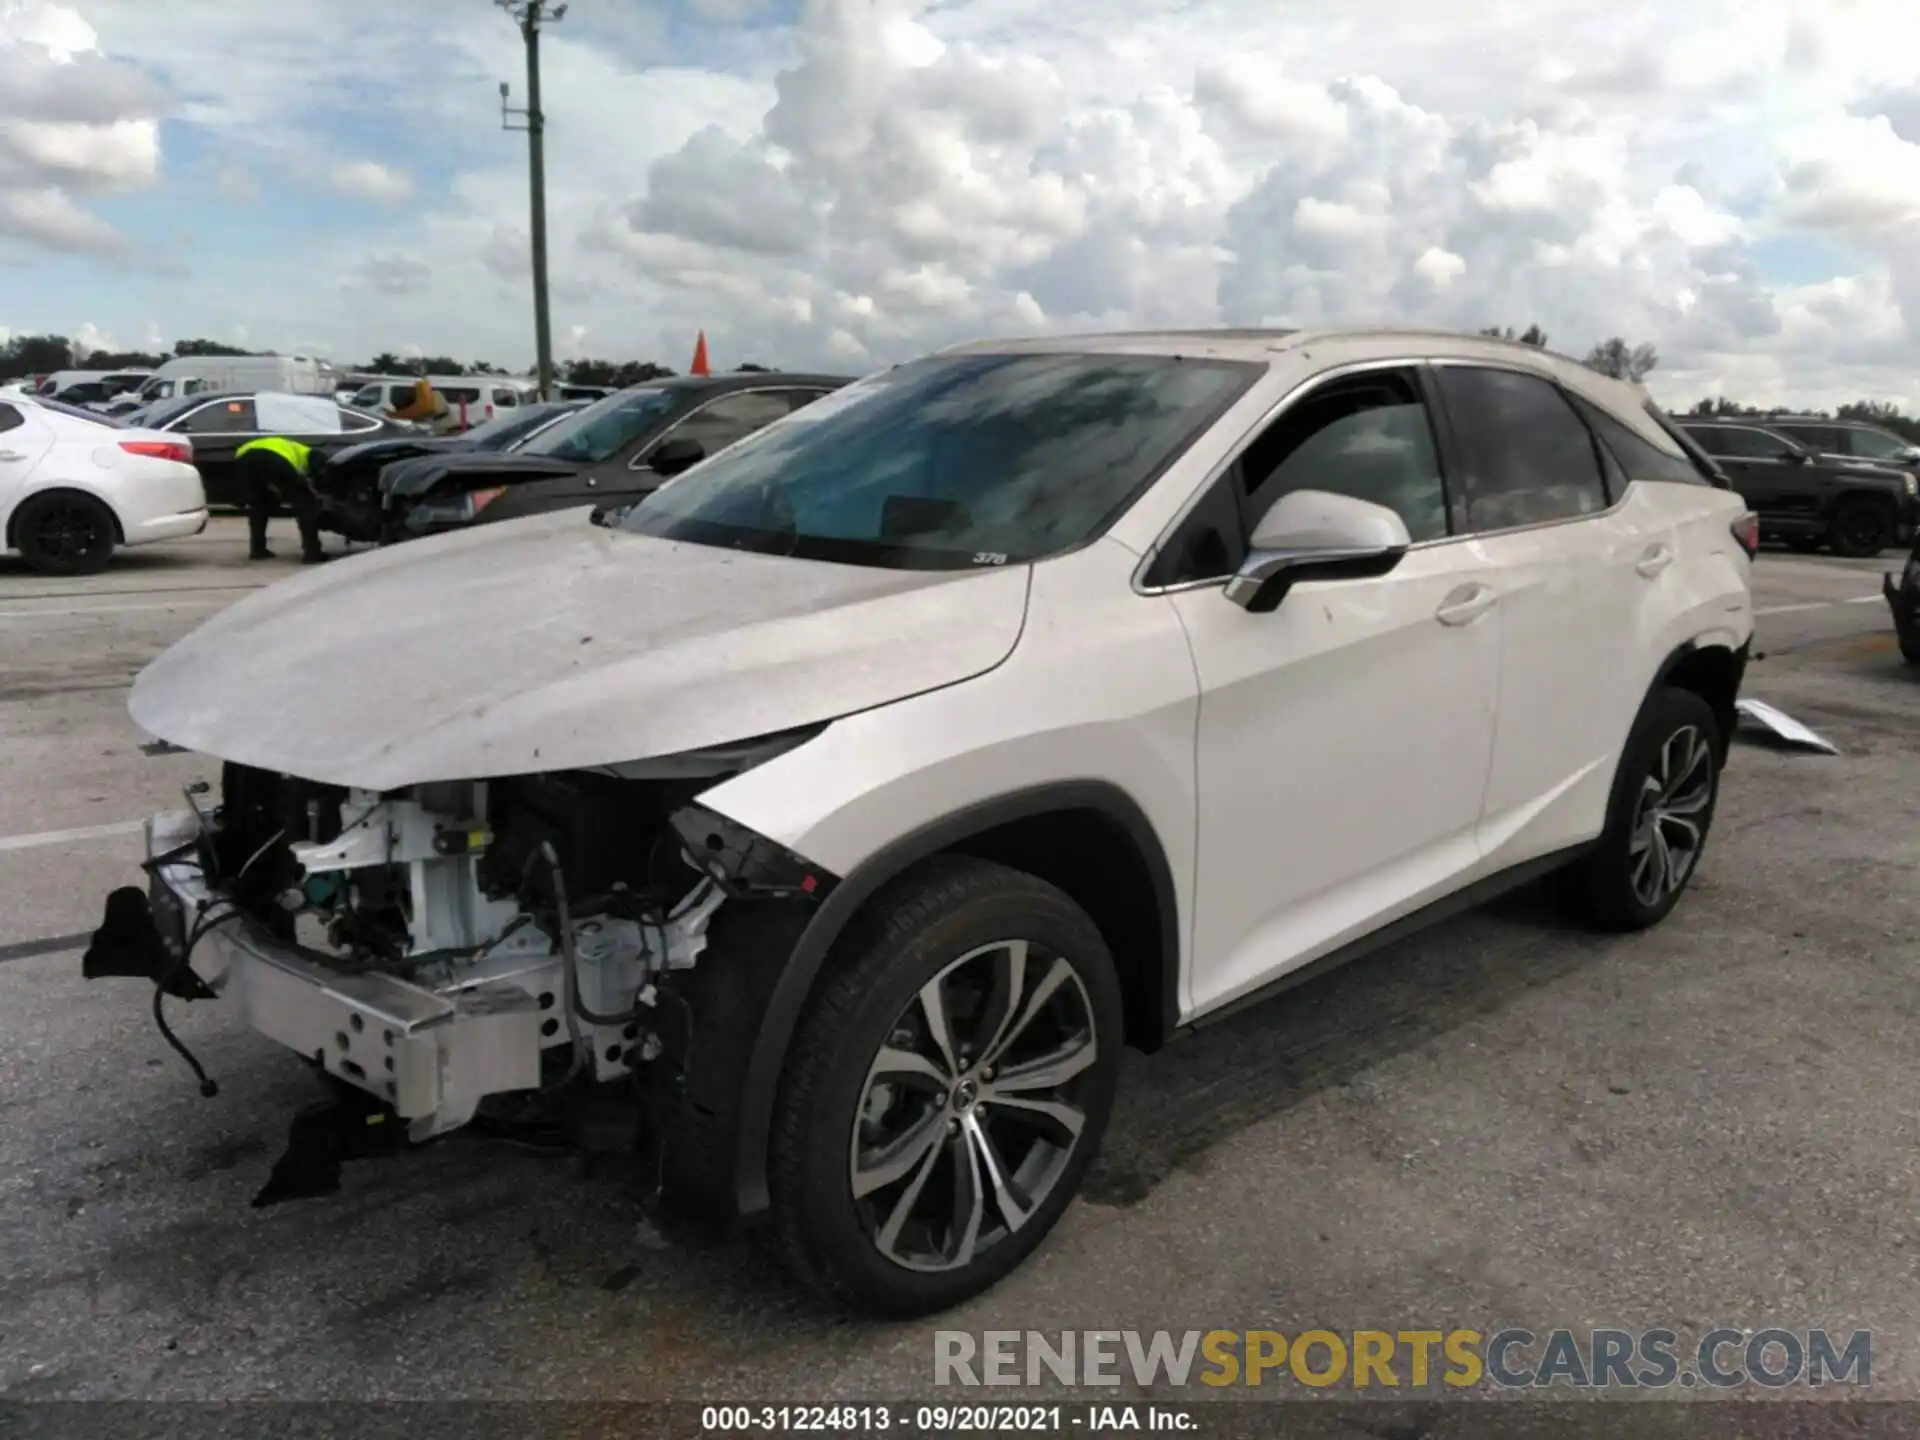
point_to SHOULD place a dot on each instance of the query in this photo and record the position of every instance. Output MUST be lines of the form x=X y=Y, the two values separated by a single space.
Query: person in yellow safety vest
x=275 y=467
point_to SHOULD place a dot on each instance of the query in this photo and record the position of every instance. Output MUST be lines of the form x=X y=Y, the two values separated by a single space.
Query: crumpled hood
x=507 y=468
x=396 y=447
x=550 y=644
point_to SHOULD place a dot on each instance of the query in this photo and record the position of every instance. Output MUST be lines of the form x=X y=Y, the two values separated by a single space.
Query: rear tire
x=1658 y=818
x=62 y=532
x=1861 y=529
x=956 y=1068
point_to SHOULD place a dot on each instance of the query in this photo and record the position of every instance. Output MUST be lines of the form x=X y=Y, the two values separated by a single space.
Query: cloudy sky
x=846 y=182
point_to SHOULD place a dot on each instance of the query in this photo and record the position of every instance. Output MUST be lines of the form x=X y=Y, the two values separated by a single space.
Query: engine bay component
x=443 y=902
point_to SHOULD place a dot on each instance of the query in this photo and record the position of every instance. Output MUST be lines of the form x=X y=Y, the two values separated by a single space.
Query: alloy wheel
x=1669 y=821
x=67 y=530
x=972 y=1108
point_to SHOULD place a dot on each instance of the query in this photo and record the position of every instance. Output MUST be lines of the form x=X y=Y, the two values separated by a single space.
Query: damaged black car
x=609 y=455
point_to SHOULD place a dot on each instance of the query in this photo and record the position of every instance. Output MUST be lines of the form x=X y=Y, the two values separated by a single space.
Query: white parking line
x=62 y=613
x=1820 y=605
x=69 y=837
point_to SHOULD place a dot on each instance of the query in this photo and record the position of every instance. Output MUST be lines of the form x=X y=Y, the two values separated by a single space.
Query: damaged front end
x=435 y=947
x=1903 y=603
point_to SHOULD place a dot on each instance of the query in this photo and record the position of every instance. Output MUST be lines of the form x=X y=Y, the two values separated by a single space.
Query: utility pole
x=529 y=15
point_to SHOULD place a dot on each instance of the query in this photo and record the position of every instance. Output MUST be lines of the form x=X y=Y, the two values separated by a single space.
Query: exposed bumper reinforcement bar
x=430 y=1055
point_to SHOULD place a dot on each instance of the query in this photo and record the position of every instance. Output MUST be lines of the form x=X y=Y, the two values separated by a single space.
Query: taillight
x=478 y=500
x=1746 y=530
x=174 y=450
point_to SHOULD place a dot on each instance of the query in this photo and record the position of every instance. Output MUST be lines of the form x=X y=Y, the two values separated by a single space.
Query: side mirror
x=1316 y=535
x=674 y=454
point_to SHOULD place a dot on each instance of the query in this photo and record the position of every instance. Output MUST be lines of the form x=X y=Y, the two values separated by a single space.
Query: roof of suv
x=1365 y=343
x=1254 y=343
x=737 y=380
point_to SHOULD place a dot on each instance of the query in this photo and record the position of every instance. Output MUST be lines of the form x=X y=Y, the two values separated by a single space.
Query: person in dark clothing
x=276 y=468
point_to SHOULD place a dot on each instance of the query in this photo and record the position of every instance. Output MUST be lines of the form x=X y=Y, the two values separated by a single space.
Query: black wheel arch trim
x=1739 y=656
x=788 y=1000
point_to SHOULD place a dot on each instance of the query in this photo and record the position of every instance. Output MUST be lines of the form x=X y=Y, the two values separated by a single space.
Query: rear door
x=1562 y=553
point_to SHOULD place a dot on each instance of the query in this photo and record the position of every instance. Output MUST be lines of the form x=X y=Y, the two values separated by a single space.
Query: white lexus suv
x=858 y=795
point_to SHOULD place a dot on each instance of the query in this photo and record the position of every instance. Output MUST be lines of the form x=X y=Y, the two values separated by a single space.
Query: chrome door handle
x=1657 y=558
x=11 y=455
x=1466 y=604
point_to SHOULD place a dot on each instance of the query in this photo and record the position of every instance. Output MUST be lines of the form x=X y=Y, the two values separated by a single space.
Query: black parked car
x=609 y=455
x=349 y=484
x=1855 y=507
x=217 y=425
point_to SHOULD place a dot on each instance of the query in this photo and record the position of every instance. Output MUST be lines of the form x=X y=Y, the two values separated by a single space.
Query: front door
x=1344 y=738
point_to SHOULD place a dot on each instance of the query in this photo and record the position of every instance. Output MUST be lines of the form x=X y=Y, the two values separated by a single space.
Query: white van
x=472 y=399
x=190 y=374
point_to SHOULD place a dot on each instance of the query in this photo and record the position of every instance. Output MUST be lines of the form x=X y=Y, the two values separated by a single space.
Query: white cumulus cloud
x=371 y=180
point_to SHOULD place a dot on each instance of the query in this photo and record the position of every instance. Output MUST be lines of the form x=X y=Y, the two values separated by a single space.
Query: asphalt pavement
x=1501 y=1122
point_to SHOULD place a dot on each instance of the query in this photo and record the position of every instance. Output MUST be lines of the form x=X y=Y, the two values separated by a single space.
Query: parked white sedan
x=73 y=485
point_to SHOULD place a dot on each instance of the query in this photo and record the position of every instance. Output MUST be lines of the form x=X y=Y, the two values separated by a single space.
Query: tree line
x=24 y=355
x=1615 y=357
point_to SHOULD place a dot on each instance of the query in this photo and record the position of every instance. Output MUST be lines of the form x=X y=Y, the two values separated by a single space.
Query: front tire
x=947 y=1089
x=1659 y=815
x=62 y=532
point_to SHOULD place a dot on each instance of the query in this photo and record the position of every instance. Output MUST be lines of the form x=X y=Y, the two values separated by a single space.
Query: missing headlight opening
x=432 y=947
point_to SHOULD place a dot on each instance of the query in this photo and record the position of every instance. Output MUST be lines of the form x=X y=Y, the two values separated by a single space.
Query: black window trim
x=1442 y=457
x=1615 y=467
x=1444 y=434
x=1445 y=443
x=1609 y=468
x=1224 y=470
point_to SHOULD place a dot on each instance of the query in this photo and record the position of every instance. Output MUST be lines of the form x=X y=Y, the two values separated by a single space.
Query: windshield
x=951 y=461
x=503 y=430
x=604 y=428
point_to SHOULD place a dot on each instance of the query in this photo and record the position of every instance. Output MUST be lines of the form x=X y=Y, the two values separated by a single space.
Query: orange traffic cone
x=699 y=366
